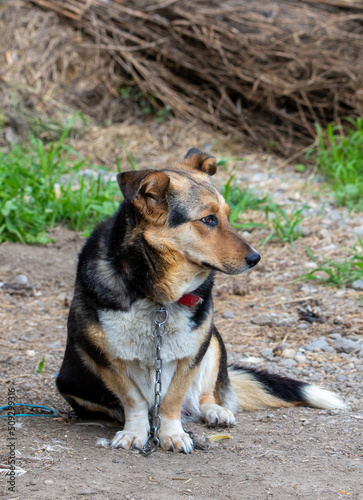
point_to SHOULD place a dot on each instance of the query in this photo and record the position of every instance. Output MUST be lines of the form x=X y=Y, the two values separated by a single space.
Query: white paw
x=214 y=415
x=173 y=438
x=125 y=439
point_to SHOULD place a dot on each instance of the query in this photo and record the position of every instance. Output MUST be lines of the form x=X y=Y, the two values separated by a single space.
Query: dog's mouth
x=251 y=260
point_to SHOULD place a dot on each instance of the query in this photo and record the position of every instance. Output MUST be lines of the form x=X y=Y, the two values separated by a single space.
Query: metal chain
x=160 y=318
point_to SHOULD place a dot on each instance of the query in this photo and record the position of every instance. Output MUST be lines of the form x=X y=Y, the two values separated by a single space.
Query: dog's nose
x=253 y=258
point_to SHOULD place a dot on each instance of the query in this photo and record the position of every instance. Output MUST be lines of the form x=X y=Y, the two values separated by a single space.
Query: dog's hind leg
x=212 y=376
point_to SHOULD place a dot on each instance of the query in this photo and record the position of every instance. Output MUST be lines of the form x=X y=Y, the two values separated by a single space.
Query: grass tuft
x=339 y=154
x=338 y=273
x=43 y=185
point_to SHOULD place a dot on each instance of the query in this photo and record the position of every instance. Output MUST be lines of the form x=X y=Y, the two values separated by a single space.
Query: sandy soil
x=300 y=453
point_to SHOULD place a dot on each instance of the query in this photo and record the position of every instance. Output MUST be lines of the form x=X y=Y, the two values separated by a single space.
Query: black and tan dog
x=163 y=246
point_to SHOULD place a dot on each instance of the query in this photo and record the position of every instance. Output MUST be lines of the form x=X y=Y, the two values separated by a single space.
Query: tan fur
x=252 y=395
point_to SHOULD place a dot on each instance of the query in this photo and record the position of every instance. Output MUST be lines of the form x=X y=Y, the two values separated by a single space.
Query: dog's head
x=185 y=219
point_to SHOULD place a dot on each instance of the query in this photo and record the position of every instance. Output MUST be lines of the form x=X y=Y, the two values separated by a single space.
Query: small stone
x=48 y=482
x=360 y=353
x=288 y=353
x=358 y=230
x=357 y=285
x=267 y=353
x=346 y=345
x=318 y=345
x=303 y=326
x=21 y=279
x=33 y=482
x=301 y=358
x=305 y=231
x=24 y=338
x=54 y=345
x=279 y=349
x=13 y=340
x=115 y=460
x=263 y=319
x=335 y=335
x=30 y=353
x=228 y=315
x=288 y=363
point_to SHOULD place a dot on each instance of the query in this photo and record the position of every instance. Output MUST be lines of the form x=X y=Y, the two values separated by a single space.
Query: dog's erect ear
x=146 y=190
x=197 y=160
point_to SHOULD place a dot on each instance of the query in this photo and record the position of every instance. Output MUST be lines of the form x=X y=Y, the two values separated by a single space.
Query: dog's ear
x=146 y=190
x=197 y=160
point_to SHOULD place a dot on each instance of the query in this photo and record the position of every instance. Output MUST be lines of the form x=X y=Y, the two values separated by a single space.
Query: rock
x=54 y=345
x=306 y=231
x=13 y=340
x=358 y=230
x=303 y=326
x=360 y=353
x=346 y=345
x=263 y=319
x=288 y=363
x=30 y=353
x=48 y=482
x=335 y=335
x=288 y=353
x=21 y=280
x=357 y=285
x=319 y=345
x=267 y=353
x=301 y=358
x=279 y=349
x=228 y=315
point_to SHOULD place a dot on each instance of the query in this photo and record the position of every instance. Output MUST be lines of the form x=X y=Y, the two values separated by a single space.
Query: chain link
x=160 y=318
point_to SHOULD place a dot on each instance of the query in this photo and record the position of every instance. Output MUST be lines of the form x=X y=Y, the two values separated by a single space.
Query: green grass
x=284 y=226
x=240 y=200
x=339 y=154
x=338 y=273
x=42 y=185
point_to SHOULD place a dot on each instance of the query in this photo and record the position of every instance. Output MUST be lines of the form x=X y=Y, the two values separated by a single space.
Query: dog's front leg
x=172 y=435
x=136 y=428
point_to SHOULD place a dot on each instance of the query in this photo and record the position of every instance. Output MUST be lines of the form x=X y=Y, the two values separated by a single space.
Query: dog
x=162 y=247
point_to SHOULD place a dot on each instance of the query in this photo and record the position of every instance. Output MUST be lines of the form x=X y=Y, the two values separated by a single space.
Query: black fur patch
x=281 y=387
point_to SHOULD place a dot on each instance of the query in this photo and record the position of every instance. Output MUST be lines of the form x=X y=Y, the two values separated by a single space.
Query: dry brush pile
x=263 y=69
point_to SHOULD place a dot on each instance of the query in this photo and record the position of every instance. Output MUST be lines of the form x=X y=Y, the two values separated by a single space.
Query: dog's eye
x=210 y=220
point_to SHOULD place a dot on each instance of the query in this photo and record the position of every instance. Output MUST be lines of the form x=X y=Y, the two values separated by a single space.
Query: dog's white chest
x=130 y=334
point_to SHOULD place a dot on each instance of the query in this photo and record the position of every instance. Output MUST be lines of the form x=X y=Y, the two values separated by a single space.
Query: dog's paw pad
x=128 y=440
x=177 y=442
x=214 y=415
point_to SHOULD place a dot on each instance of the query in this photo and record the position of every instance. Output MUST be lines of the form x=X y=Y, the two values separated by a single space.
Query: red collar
x=190 y=300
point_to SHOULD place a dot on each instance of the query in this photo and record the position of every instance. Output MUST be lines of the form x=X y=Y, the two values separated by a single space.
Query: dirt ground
x=297 y=453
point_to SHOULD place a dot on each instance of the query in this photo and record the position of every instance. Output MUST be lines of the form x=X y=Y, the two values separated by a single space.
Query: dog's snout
x=253 y=258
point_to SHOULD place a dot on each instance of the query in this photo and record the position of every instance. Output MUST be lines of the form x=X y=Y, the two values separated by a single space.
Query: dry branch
x=265 y=69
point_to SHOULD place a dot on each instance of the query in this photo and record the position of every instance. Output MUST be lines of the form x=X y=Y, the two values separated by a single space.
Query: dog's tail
x=257 y=389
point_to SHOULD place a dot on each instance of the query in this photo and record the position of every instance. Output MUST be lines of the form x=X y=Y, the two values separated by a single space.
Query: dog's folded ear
x=146 y=190
x=197 y=160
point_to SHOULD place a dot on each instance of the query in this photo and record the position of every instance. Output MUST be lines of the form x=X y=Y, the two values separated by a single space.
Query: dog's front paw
x=173 y=437
x=127 y=440
x=214 y=415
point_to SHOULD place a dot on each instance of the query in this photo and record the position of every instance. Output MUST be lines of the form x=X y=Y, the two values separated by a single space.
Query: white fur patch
x=172 y=436
x=321 y=398
x=130 y=334
x=144 y=378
